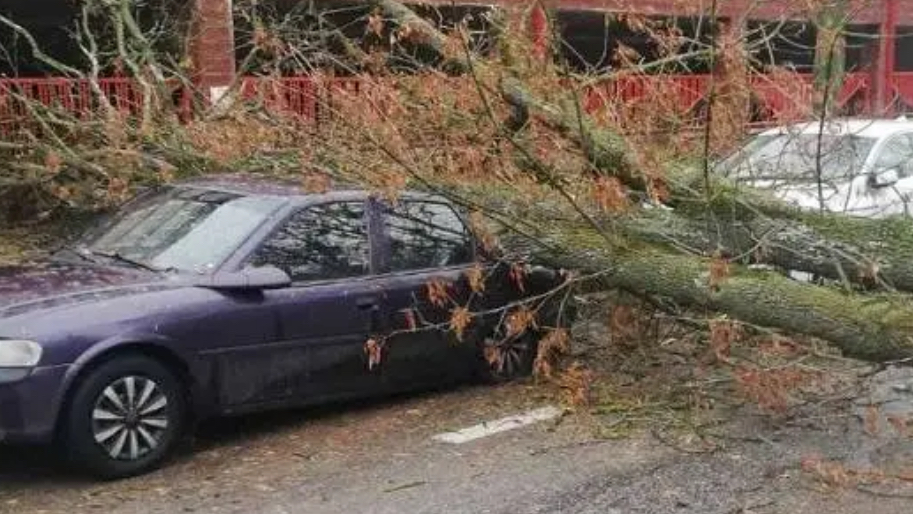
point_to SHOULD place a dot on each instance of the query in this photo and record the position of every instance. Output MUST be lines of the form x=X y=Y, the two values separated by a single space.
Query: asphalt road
x=380 y=458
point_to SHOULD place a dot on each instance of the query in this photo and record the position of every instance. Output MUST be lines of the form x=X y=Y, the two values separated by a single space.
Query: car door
x=325 y=317
x=426 y=253
x=889 y=187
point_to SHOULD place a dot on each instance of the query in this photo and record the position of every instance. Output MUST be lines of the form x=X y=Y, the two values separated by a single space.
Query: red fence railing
x=776 y=98
x=20 y=98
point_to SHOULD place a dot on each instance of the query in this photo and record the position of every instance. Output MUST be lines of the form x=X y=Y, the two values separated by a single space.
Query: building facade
x=879 y=51
x=879 y=46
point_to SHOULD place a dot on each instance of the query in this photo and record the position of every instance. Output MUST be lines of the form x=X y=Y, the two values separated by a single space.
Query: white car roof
x=876 y=128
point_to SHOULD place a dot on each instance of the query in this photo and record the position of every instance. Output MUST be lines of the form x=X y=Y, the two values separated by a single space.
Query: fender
x=197 y=371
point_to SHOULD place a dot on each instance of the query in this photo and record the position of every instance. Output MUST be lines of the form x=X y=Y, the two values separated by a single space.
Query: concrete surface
x=380 y=458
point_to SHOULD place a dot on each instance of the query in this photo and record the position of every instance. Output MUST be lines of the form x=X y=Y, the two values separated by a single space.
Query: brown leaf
x=520 y=320
x=376 y=23
x=659 y=190
x=437 y=292
x=557 y=340
x=542 y=367
x=409 y=316
x=374 y=351
x=723 y=333
x=482 y=232
x=517 y=275
x=576 y=383
x=623 y=322
x=770 y=388
x=118 y=188
x=719 y=271
x=476 y=277
x=610 y=195
x=871 y=420
x=492 y=356
x=53 y=162
x=551 y=347
x=460 y=318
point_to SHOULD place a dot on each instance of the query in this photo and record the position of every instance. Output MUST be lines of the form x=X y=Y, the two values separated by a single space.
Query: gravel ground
x=379 y=458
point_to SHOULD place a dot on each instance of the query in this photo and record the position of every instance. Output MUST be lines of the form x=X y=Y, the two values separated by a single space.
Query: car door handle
x=366 y=304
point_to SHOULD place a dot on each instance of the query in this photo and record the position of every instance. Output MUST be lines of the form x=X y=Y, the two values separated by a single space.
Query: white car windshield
x=797 y=157
x=182 y=228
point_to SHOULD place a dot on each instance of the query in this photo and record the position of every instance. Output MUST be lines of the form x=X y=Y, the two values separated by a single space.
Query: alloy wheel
x=129 y=419
x=508 y=357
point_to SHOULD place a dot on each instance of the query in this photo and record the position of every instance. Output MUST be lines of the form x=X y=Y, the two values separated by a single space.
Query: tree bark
x=848 y=250
x=874 y=327
x=427 y=35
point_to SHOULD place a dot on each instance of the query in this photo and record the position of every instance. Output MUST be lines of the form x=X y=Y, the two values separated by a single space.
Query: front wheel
x=509 y=358
x=125 y=417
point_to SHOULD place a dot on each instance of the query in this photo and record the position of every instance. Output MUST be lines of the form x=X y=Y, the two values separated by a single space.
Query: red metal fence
x=776 y=98
x=21 y=100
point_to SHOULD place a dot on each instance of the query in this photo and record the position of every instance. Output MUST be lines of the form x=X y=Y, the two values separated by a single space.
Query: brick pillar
x=882 y=81
x=538 y=26
x=212 y=47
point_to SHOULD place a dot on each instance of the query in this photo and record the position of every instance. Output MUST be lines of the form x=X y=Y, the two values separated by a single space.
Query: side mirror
x=265 y=277
x=884 y=178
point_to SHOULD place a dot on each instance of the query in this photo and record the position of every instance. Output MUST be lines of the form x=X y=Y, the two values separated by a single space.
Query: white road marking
x=502 y=425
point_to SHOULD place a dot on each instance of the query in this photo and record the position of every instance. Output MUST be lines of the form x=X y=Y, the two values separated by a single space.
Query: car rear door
x=324 y=318
x=425 y=254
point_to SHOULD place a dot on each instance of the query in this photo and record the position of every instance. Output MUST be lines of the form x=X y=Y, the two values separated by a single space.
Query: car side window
x=319 y=243
x=897 y=153
x=424 y=234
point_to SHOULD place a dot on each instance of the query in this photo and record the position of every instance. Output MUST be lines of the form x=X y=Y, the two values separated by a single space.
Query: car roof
x=864 y=127
x=247 y=184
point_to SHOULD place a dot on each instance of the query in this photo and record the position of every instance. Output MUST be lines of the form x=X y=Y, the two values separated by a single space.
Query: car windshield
x=794 y=157
x=181 y=228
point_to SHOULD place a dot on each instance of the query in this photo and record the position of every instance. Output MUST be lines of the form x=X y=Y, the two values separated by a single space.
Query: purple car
x=233 y=295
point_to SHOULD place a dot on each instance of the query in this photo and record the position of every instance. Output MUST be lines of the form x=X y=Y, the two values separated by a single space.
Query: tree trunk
x=830 y=55
x=871 y=327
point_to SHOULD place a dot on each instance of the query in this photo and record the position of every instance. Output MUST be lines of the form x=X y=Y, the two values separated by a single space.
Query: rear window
x=424 y=234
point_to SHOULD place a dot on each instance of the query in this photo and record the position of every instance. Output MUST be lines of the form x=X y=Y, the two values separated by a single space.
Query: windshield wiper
x=82 y=253
x=136 y=263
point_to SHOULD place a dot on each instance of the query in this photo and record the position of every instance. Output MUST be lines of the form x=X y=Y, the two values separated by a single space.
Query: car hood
x=49 y=284
x=803 y=194
x=853 y=197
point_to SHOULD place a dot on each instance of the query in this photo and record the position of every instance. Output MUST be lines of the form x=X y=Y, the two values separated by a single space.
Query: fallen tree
x=669 y=252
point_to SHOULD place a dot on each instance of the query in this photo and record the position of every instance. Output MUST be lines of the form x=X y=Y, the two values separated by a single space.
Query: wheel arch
x=155 y=347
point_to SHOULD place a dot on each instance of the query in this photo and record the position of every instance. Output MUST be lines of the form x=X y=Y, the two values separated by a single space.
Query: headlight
x=17 y=359
x=19 y=354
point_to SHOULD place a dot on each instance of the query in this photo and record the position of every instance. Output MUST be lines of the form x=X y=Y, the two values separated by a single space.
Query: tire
x=125 y=417
x=515 y=357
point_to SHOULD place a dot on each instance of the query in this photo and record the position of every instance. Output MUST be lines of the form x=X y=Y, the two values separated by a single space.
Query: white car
x=866 y=165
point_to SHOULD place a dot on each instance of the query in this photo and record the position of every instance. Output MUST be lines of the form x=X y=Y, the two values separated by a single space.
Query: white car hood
x=854 y=197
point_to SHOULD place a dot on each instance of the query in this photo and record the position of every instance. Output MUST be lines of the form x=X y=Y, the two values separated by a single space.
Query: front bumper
x=29 y=408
